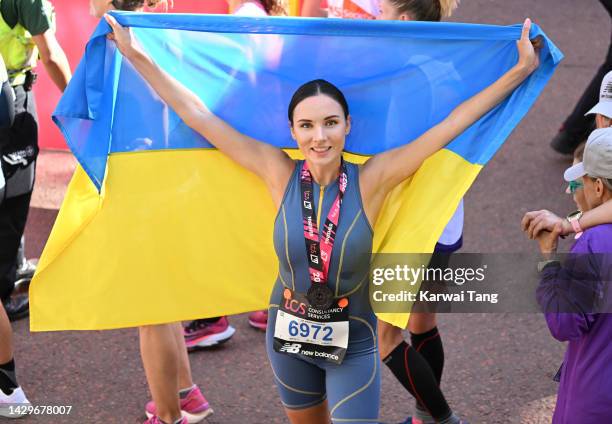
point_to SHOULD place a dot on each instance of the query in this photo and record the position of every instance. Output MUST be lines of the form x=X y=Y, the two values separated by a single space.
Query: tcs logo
x=295 y=306
x=292 y=304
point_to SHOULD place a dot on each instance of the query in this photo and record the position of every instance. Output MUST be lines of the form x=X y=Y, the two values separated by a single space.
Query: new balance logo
x=291 y=348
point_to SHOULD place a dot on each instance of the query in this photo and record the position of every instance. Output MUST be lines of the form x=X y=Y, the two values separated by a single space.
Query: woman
x=573 y=294
x=305 y=192
x=176 y=399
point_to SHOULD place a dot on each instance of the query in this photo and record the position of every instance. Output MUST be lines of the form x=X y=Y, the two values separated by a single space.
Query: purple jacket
x=580 y=285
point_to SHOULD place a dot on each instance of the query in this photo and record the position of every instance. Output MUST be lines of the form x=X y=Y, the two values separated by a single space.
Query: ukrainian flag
x=158 y=226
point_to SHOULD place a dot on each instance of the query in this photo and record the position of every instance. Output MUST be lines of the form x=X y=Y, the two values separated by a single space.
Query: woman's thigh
x=300 y=384
x=353 y=389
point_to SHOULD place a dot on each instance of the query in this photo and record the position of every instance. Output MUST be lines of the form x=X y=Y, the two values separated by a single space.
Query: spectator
x=572 y=295
x=26 y=32
x=578 y=125
x=10 y=392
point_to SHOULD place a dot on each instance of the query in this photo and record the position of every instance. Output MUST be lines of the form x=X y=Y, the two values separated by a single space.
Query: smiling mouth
x=321 y=149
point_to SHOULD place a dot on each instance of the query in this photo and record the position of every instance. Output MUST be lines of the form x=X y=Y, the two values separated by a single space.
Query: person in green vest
x=27 y=33
x=10 y=393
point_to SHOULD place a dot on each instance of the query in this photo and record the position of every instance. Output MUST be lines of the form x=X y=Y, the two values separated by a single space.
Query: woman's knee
x=389 y=336
x=421 y=322
x=317 y=414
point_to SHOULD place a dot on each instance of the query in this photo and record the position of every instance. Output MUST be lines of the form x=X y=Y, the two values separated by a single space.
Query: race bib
x=305 y=331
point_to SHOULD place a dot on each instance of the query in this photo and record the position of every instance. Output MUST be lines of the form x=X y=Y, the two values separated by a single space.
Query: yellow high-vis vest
x=18 y=48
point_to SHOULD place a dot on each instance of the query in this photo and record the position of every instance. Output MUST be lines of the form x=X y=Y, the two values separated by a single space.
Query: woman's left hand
x=529 y=58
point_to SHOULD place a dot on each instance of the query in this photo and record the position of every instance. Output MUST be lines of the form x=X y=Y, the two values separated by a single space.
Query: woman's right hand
x=126 y=43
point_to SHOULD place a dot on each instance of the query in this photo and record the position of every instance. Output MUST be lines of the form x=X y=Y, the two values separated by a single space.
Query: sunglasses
x=574 y=186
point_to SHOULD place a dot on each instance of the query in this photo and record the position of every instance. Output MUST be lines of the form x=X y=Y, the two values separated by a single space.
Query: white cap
x=604 y=107
x=597 y=158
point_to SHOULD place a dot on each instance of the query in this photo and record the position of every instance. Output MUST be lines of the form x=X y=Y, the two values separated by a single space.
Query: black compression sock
x=429 y=345
x=8 y=380
x=416 y=376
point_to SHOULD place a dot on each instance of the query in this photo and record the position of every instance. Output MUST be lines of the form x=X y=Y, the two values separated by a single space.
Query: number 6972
x=311 y=330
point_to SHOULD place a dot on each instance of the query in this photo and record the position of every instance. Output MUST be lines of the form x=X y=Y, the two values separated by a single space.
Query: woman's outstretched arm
x=386 y=170
x=268 y=162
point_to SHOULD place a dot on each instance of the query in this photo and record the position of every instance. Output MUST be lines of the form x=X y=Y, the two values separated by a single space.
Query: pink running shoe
x=201 y=334
x=259 y=319
x=157 y=420
x=194 y=407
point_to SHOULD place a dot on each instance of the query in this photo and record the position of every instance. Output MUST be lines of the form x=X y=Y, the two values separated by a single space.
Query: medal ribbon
x=318 y=251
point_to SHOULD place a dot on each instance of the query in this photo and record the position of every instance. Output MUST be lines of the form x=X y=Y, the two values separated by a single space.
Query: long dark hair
x=425 y=10
x=131 y=5
x=314 y=88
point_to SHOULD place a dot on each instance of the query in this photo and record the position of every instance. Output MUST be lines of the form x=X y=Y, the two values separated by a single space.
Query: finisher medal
x=320 y=296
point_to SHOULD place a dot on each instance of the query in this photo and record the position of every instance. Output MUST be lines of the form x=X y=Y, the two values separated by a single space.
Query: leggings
x=351 y=388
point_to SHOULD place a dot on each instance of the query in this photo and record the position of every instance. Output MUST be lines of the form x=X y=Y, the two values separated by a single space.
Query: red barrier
x=74 y=26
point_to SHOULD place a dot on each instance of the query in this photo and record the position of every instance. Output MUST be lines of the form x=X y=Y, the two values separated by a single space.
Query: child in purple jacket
x=575 y=298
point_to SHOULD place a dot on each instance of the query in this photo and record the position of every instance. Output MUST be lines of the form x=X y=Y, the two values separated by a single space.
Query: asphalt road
x=498 y=365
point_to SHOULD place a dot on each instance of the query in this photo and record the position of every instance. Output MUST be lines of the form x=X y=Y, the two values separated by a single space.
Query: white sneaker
x=11 y=406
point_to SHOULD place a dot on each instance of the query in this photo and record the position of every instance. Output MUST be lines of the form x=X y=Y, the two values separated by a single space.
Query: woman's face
x=388 y=12
x=98 y=8
x=320 y=129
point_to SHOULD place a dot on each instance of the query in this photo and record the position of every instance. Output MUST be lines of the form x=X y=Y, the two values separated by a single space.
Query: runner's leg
x=425 y=338
x=160 y=358
x=300 y=384
x=318 y=414
x=6 y=335
x=184 y=368
x=8 y=382
x=354 y=390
